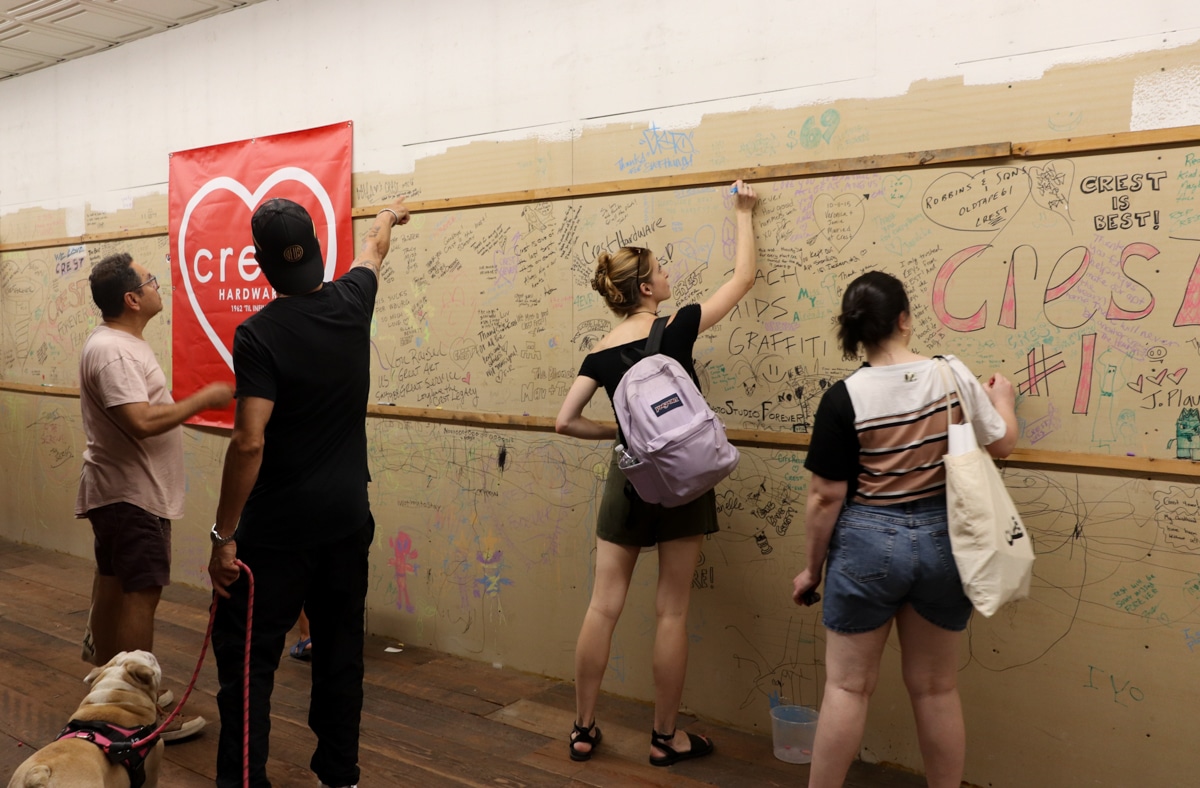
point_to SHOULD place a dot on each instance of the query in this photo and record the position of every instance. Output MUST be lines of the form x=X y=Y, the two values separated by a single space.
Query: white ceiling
x=37 y=34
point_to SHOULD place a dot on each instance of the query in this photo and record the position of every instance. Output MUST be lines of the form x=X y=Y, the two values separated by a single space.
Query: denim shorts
x=881 y=557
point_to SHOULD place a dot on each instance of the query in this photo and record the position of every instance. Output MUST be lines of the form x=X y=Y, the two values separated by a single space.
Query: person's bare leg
x=302 y=622
x=302 y=649
x=135 y=629
x=107 y=608
x=87 y=651
x=676 y=565
x=614 y=568
x=851 y=672
x=930 y=656
x=122 y=621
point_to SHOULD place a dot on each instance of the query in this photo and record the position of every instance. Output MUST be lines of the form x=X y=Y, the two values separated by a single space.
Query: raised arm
x=143 y=420
x=378 y=239
x=745 y=263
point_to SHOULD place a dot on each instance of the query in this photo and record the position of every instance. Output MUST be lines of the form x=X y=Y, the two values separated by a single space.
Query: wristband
x=393 y=213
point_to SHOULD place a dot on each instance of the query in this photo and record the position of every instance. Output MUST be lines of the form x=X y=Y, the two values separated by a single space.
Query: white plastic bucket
x=793 y=729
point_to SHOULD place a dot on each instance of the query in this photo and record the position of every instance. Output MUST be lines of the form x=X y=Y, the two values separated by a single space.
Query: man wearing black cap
x=293 y=502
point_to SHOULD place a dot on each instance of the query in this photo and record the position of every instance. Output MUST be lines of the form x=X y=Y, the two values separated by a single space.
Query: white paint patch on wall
x=561 y=66
x=1022 y=43
x=1166 y=98
x=417 y=79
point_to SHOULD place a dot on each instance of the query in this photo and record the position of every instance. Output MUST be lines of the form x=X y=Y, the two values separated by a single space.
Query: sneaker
x=87 y=649
x=165 y=699
x=182 y=728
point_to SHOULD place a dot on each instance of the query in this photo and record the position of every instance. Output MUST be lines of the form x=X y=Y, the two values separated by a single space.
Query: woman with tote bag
x=876 y=513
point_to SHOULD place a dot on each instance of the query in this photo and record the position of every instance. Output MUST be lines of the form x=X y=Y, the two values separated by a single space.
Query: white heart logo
x=230 y=184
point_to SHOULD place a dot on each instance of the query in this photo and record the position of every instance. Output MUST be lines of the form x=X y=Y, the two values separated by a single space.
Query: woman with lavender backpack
x=633 y=285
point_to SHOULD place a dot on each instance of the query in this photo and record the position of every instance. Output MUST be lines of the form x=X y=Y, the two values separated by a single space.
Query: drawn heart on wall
x=896 y=188
x=983 y=202
x=462 y=350
x=839 y=218
x=692 y=254
x=1051 y=185
x=208 y=299
x=1137 y=386
x=1175 y=377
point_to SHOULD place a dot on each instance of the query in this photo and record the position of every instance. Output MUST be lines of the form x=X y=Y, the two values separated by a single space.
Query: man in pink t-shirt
x=132 y=484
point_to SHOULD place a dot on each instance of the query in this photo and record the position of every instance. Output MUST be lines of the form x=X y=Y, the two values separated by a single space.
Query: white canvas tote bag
x=992 y=548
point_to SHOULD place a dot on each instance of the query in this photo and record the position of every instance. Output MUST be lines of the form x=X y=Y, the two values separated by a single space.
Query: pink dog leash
x=212 y=617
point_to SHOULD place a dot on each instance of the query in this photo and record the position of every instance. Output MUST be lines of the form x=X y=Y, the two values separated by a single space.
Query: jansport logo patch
x=667 y=404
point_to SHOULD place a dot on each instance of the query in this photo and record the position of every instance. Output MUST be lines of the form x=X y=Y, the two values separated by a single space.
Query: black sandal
x=700 y=747
x=584 y=736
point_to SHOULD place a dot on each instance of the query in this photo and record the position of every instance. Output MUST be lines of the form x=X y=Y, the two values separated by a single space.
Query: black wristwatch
x=217 y=539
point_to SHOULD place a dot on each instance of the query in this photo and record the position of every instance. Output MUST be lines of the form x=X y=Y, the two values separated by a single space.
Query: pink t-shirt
x=117 y=368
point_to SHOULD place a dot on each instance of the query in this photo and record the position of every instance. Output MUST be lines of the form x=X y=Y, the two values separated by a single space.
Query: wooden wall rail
x=1101 y=143
x=714 y=178
x=1180 y=135
x=44 y=389
x=775 y=172
x=1034 y=459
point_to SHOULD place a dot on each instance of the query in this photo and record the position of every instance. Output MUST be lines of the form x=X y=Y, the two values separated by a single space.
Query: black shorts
x=635 y=523
x=132 y=545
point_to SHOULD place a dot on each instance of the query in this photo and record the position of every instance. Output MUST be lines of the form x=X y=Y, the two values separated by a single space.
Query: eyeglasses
x=151 y=281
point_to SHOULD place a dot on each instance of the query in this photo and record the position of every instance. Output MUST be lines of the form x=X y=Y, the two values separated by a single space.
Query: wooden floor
x=430 y=719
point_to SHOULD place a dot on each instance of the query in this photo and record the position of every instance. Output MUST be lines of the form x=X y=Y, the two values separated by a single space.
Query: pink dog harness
x=125 y=746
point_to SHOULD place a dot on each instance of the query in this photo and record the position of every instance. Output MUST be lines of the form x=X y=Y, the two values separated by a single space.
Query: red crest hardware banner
x=217 y=283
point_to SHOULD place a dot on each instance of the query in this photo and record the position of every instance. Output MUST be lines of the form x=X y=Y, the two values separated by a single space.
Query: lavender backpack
x=675 y=448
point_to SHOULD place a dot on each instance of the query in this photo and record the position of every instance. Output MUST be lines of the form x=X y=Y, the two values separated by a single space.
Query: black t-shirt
x=608 y=365
x=834 y=447
x=310 y=355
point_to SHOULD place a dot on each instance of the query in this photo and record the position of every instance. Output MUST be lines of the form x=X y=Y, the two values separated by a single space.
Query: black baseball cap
x=286 y=247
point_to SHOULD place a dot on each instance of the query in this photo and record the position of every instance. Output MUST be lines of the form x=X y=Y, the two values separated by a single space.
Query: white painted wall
x=418 y=77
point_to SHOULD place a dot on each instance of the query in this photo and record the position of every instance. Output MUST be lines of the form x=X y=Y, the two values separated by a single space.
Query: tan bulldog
x=122 y=693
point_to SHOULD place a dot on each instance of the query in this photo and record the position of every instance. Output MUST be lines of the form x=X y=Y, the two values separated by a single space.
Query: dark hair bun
x=871 y=309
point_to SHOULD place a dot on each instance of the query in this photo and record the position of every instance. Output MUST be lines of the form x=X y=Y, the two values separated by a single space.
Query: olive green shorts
x=640 y=524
